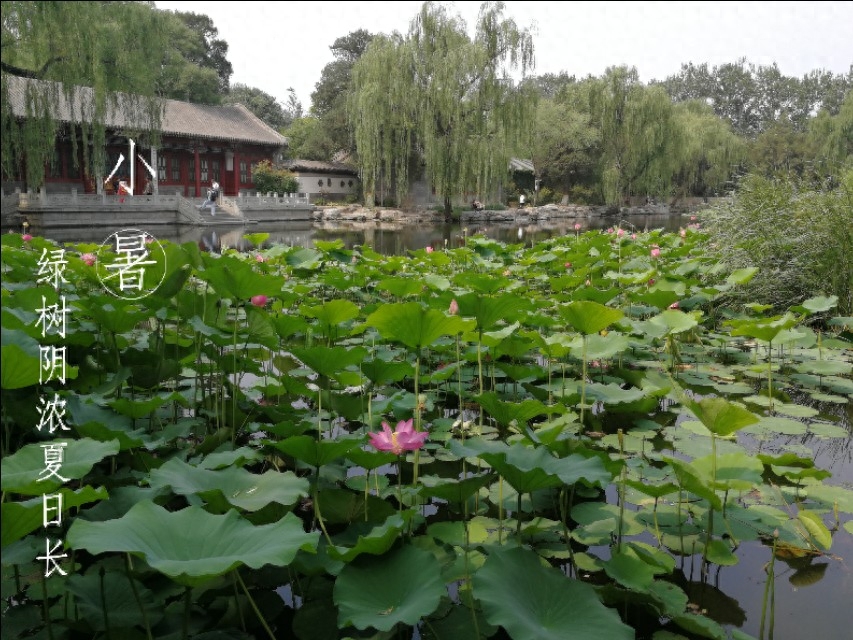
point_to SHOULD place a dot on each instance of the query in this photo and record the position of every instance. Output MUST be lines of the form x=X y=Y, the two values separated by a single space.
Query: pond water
x=385 y=238
x=811 y=596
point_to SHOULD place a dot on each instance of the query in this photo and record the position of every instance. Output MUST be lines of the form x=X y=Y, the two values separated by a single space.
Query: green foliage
x=310 y=139
x=76 y=44
x=454 y=104
x=272 y=179
x=262 y=104
x=799 y=237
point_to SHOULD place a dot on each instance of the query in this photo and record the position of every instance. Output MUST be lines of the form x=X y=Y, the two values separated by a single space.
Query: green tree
x=565 y=146
x=445 y=98
x=260 y=103
x=832 y=136
x=638 y=134
x=308 y=139
x=110 y=48
x=708 y=151
x=193 y=65
x=329 y=99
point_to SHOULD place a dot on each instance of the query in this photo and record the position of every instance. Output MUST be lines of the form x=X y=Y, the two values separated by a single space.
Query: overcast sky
x=276 y=45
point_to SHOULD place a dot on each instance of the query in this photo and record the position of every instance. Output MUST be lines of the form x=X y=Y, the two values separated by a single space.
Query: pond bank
x=527 y=215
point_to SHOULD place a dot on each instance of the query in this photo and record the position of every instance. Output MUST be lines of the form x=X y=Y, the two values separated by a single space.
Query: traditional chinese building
x=198 y=143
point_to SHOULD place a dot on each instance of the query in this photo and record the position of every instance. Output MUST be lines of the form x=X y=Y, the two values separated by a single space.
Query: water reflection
x=383 y=237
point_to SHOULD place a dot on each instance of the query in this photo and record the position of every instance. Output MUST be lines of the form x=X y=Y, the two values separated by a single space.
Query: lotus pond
x=582 y=438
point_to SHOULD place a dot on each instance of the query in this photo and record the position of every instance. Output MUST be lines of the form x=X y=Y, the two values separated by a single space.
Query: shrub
x=800 y=237
x=271 y=179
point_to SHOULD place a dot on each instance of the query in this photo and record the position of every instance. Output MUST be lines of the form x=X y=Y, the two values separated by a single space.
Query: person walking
x=212 y=195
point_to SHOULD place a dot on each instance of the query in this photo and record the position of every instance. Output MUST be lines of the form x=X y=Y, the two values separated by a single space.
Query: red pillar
x=197 y=176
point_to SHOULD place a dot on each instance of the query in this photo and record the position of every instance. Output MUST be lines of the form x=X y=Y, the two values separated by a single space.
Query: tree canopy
x=111 y=48
x=265 y=106
x=440 y=97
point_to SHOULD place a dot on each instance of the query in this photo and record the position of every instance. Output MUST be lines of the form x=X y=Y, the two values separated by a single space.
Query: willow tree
x=708 y=152
x=67 y=62
x=638 y=134
x=439 y=98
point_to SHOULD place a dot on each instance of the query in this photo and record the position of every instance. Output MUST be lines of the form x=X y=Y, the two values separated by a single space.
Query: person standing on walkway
x=212 y=195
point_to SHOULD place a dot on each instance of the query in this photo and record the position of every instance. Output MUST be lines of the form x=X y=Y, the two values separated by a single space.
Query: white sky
x=276 y=45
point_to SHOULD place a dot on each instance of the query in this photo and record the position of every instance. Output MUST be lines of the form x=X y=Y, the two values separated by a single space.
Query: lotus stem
x=255 y=606
x=138 y=601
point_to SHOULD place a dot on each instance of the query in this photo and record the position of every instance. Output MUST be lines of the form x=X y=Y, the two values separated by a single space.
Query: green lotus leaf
x=694 y=482
x=402 y=586
x=18 y=369
x=507 y=413
x=720 y=552
x=109 y=599
x=21 y=471
x=819 y=304
x=238 y=280
x=192 y=546
x=675 y=321
x=332 y=313
x=303 y=258
x=765 y=330
x=249 y=491
x=630 y=571
x=22 y=518
x=742 y=276
x=317 y=452
x=488 y=312
x=700 y=626
x=452 y=490
x=383 y=372
x=413 y=325
x=719 y=415
x=364 y=537
x=734 y=471
x=818 y=531
x=589 y=317
x=330 y=362
x=534 y=602
x=401 y=287
x=825 y=367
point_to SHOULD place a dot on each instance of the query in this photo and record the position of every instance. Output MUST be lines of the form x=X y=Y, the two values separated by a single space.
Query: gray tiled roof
x=233 y=123
x=315 y=166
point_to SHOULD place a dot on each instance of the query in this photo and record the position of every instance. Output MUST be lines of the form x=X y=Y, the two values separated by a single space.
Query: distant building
x=329 y=180
x=198 y=144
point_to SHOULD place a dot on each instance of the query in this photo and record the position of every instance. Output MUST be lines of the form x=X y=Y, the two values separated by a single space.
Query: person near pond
x=212 y=195
x=123 y=190
x=521 y=201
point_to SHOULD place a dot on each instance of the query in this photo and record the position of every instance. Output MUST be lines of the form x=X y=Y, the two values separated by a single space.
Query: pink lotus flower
x=26 y=237
x=88 y=258
x=453 y=309
x=651 y=282
x=577 y=226
x=655 y=252
x=620 y=232
x=568 y=265
x=403 y=438
x=633 y=236
x=259 y=300
x=682 y=233
x=692 y=218
x=429 y=249
x=609 y=229
x=259 y=258
x=674 y=305
x=149 y=239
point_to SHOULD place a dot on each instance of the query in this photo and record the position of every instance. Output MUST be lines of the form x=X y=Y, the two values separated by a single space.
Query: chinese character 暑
x=52 y=267
x=51 y=316
x=130 y=268
x=50 y=560
x=51 y=504
x=51 y=414
x=53 y=455
x=52 y=363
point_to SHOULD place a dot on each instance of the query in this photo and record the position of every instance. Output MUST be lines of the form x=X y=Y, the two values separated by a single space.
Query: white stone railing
x=271 y=201
x=74 y=200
